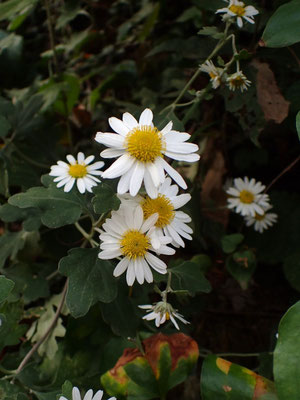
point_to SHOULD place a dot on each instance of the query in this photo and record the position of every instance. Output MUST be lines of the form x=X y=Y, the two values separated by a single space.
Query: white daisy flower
x=162 y=312
x=77 y=170
x=237 y=9
x=88 y=396
x=140 y=147
x=170 y=222
x=246 y=198
x=214 y=73
x=261 y=222
x=238 y=81
x=126 y=234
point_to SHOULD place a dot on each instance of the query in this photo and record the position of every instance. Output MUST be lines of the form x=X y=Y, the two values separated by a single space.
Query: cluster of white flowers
x=235 y=11
x=234 y=81
x=246 y=197
x=148 y=222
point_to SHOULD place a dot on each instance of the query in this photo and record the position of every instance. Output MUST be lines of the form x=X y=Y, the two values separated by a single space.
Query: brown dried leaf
x=273 y=104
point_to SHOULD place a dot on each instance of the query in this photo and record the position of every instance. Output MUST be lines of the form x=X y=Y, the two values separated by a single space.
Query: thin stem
x=44 y=337
x=86 y=235
x=241 y=354
x=219 y=45
x=282 y=173
x=52 y=275
x=51 y=35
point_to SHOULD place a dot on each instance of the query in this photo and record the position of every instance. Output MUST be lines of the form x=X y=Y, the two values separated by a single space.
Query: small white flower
x=170 y=222
x=126 y=234
x=237 y=9
x=214 y=73
x=162 y=312
x=80 y=170
x=246 y=198
x=140 y=148
x=238 y=81
x=261 y=222
x=88 y=396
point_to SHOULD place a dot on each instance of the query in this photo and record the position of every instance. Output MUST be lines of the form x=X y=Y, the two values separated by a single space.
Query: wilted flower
x=261 y=222
x=238 y=81
x=246 y=198
x=214 y=72
x=162 y=312
x=237 y=9
x=78 y=171
x=140 y=148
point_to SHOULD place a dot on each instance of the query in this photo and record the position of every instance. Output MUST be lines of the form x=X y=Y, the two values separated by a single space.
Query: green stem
x=45 y=336
x=29 y=160
x=240 y=354
x=219 y=45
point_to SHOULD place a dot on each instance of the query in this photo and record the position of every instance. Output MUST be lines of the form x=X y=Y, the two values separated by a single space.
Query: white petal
x=152 y=169
x=112 y=153
x=146 y=117
x=184 y=148
x=156 y=263
x=69 y=185
x=110 y=140
x=121 y=267
x=181 y=200
x=176 y=137
x=76 y=393
x=147 y=271
x=139 y=271
x=150 y=221
x=174 y=321
x=80 y=185
x=80 y=158
x=182 y=157
x=119 y=167
x=129 y=120
x=71 y=159
x=89 y=159
x=136 y=178
x=96 y=165
x=98 y=395
x=174 y=174
x=138 y=218
x=118 y=126
x=151 y=189
x=108 y=254
x=167 y=128
x=123 y=185
x=88 y=395
x=130 y=275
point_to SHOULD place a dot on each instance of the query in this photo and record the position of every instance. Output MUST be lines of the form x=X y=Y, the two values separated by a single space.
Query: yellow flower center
x=238 y=10
x=238 y=81
x=213 y=75
x=167 y=316
x=77 y=170
x=259 y=217
x=145 y=143
x=246 y=197
x=134 y=244
x=161 y=205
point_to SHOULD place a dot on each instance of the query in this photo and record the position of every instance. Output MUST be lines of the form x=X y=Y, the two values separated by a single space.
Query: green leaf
x=143 y=383
x=90 y=280
x=67 y=390
x=57 y=207
x=6 y=286
x=241 y=266
x=12 y=7
x=223 y=380
x=5 y=126
x=10 y=329
x=287 y=355
x=105 y=199
x=211 y=31
x=120 y=315
x=283 y=28
x=190 y=276
x=291 y=268
x=298 y=124
x=230 y=242
x=10 y=244
x=30 y=216
x=10 y=391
